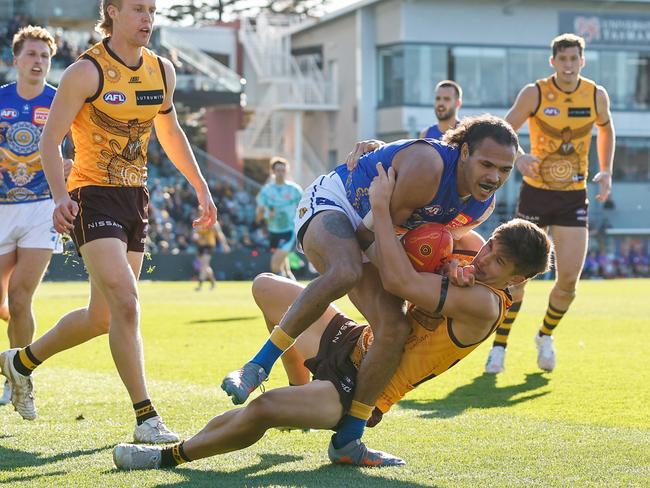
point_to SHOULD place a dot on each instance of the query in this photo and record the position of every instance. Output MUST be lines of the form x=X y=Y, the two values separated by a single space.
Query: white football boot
x=495 y=360
x=154 y=431
x=545 y=352
x=132 y=456
x=22 y=387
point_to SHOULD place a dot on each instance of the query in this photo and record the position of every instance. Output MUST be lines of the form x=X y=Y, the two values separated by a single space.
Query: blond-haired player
x=111 y=98
x=27 y=236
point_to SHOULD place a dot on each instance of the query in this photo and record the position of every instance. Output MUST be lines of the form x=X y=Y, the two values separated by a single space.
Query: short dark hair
x=526 y=245
x=472 y=130
x=277 y=160
x=564 y=41
x=451 y=84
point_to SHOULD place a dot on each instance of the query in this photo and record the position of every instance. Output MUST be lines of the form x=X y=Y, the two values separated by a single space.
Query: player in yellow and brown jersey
x=561 y=111
x=112 y=97
x=206 y=239
x=447 y=323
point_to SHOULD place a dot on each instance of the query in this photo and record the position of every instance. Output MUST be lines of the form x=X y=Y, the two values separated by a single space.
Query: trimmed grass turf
x=586 y=424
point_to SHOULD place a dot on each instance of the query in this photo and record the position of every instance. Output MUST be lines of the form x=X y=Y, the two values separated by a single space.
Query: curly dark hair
x=472 y=130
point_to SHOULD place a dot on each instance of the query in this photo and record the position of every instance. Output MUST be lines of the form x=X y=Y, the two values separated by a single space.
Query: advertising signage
x=608 y=29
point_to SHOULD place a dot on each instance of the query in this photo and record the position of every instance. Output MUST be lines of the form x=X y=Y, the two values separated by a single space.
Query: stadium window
x=409 y=72
x=632 y=159
x=525 y=66
x=625 y=74
x=391 y=76
x=482 y=72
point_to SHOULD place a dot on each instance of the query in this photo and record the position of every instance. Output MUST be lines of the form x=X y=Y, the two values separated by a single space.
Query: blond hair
x=105 y=24
x=35 y=33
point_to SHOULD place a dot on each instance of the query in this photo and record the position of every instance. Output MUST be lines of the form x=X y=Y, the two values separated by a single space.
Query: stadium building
x=380 y=60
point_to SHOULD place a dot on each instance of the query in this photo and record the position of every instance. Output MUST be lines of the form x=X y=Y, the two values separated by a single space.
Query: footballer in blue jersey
x=334 y=227
x=27 y=235
x=449 y=98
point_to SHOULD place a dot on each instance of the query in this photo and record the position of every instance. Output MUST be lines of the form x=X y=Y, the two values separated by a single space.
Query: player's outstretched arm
x=175 y=143
x=605 y=142
x=79 y=82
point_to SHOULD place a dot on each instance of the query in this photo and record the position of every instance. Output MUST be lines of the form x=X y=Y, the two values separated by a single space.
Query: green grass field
x=586 y=424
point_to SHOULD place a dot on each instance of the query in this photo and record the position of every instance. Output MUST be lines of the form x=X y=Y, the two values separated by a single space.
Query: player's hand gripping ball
x=427 y=246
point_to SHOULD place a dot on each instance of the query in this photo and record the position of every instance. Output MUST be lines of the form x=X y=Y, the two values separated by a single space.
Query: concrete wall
x=339 y=42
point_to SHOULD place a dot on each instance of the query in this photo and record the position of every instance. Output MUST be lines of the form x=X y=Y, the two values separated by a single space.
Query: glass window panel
x=482 y=74
x=525 y=66
x=632 y=159
x=408 y=73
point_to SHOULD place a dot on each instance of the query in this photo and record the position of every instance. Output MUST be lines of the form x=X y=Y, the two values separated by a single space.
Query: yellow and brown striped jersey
x=206 y=236
x=111 y=131
x=560 y=134
x=429 y=351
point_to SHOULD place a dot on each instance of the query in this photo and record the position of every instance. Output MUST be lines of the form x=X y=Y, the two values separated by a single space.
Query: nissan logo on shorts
x=114 y=97
x=551 y=111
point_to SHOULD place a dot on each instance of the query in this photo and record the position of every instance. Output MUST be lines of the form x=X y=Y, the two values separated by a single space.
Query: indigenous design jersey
x=21 y=122
x=446 y=207
x=434 y=132
x=279 y=202
x=560 y=134
x=111 y=131
x=428 y=352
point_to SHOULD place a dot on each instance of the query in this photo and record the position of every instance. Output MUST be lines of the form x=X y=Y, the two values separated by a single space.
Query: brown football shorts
x=332 y=362
x=111 y=211
x=553 y=207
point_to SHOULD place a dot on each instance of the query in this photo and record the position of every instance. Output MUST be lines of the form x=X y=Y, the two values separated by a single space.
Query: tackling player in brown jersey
x=561 y=111
x=336 y=345
x=111 y=97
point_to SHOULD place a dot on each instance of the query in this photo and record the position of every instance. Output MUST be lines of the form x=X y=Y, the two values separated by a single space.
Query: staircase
x=287 y=89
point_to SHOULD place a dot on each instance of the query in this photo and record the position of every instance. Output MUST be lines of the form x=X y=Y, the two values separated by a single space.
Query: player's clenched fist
x=64 y=214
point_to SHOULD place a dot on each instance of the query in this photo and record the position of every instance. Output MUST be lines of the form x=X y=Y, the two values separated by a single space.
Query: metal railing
x=216 y=76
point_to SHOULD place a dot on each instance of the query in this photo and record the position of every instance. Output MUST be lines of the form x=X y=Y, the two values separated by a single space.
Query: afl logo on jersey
x=114 y=97
x=551 y=111
x=8 y=113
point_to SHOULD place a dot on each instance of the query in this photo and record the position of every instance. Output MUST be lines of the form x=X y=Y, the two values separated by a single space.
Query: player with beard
x=449 y=98
x=111 y=98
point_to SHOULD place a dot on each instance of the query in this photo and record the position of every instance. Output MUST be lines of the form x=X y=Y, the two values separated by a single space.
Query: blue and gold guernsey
x=447 y=207
x=434 y=132
x=22 y=179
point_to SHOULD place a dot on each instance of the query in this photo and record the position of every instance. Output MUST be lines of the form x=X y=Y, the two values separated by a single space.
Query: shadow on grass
x=327 y=475
x=225 y=319
x=14 y=458
x=33 y=477
x=482 y=392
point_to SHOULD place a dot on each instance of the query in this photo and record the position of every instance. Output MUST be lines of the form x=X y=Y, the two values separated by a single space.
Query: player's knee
x=567 y=284
x=126 y=307
x=262 y=410
x=263 y=284
x=344 y=276
x=20 y=302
